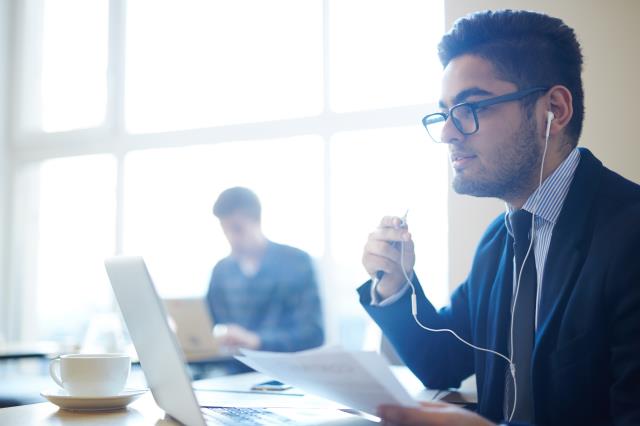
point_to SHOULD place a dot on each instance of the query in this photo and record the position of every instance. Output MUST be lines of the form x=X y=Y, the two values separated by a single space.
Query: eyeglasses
x=465 y=114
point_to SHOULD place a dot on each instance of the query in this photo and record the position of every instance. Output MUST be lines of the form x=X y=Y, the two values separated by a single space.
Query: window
x=134 y=115
x=169 y=196
x=71 y=229
x=387 y=171
x=74 y=64
x=382 y=53
x=221 y=63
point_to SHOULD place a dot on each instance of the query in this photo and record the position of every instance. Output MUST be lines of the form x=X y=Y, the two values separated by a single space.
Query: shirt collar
x=551 y=194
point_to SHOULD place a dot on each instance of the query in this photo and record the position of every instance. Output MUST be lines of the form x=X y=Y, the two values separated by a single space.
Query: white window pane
x=384 y=172
x=169 y=196
x=76 y=229
x=74 y=64
x=383 y=53
x=202 y=63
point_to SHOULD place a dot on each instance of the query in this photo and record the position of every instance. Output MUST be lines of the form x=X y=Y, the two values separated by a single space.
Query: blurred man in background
x=263 y=295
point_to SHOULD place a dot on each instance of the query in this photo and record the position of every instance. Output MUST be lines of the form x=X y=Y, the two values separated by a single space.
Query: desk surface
x=144 y=411
x=31 y=350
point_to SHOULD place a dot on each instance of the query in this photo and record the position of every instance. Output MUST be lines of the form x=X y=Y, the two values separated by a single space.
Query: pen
x=403 y=223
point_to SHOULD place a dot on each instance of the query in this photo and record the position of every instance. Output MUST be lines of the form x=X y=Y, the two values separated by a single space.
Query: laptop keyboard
x=243 y=416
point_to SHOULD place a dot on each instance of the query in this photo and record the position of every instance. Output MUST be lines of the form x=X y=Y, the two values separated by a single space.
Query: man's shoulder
x=610 y=204
x=615 y=202
x=223 y=264
x=290 y=252
x=617 y=228
x=618 y=189
x=612 y=189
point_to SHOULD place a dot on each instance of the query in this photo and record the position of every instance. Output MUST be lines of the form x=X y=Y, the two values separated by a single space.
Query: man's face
x=242 y=231
x=502 y=158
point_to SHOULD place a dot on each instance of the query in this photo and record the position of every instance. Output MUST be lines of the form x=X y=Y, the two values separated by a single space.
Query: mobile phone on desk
x=271 y=385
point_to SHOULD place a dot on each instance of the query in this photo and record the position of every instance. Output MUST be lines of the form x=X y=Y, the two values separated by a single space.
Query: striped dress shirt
x=545 y=205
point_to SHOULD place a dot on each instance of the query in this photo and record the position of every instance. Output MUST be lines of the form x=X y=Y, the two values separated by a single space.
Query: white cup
x=91 y=375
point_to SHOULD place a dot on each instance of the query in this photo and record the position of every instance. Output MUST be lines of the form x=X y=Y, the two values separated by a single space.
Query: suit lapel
x=501 y=294
x=566 y=251
x=498 y=321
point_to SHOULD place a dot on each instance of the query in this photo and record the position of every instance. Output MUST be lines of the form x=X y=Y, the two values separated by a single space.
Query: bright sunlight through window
x=383 y=53
x=221 y=62
x=76 y=225
x=170 y=194
x=313 y=104
x=74 y=64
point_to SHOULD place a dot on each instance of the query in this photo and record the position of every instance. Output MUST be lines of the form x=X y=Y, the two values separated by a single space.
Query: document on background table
x=357 y=379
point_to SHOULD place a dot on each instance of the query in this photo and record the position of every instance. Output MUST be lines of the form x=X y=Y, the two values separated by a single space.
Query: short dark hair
x=236 y=199
x=529 y=49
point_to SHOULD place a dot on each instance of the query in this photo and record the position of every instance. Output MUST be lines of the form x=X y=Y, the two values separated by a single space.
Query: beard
x=513 y=168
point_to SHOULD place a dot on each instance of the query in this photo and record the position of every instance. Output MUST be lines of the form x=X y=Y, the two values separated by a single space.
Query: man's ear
x=561 y=105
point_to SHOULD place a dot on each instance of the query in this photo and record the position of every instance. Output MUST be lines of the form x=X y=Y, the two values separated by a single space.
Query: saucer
x=63 y=400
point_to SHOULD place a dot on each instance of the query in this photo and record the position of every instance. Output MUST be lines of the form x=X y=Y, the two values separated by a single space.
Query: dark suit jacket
x=586 y=360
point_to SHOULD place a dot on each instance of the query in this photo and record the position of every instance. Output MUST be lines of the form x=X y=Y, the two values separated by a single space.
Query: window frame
x=29 y=146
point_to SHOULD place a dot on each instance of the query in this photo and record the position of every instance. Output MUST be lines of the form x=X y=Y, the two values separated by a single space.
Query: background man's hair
x=237 y=199
x=526 y=48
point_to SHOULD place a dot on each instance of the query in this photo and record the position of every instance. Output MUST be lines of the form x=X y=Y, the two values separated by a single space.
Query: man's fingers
x=408 y=245
x=391 y=235
x=375 y=263
x=434 y=404
x=405 y=416
x=432 y=414
x=382 y=249
x=391 y=222
x=382 y=256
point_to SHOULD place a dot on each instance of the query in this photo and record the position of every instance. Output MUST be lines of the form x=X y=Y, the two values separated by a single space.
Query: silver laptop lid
x=160 y=356
x=193 y=327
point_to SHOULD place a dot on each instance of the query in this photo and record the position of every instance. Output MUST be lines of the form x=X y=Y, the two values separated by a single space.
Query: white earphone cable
x=414 y=305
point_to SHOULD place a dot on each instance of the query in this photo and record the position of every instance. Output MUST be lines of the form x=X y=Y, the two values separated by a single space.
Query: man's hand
x=380 y=255
x=430 y=413
x=235 y=336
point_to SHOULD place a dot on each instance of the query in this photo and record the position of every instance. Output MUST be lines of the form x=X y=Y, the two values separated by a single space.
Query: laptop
x=163 y=361
x=193 y=326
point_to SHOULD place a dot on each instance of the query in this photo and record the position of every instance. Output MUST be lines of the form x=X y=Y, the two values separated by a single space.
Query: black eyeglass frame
x=474 y=106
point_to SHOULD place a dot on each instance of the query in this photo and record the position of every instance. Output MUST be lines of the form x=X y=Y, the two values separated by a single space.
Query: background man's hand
x=235 y=336
x=380 y=255
x=430 y=413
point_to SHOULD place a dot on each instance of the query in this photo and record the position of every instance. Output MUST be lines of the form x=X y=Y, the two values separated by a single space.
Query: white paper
x=357 y=379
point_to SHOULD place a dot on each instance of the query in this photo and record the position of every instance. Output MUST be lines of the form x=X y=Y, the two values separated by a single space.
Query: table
x=24 y=370
x=144 y=411
x=10 y=351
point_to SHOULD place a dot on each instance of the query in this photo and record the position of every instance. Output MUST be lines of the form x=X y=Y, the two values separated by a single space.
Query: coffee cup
x=91 y=375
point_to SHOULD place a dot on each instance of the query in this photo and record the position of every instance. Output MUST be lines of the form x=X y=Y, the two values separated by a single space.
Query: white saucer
x=63 y=400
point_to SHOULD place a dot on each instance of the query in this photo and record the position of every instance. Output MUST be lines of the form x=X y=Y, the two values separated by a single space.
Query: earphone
x=550 y=117
x=414 y=303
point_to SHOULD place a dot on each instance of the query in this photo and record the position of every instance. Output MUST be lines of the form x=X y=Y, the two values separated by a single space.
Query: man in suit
x=264 y=294
x=548 y=318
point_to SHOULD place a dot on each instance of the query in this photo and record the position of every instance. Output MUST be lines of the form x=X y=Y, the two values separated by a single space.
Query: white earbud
x=550 y=118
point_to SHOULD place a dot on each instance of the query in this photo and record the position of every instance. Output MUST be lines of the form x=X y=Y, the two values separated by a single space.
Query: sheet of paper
x=360 y=380
x=413 y=385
